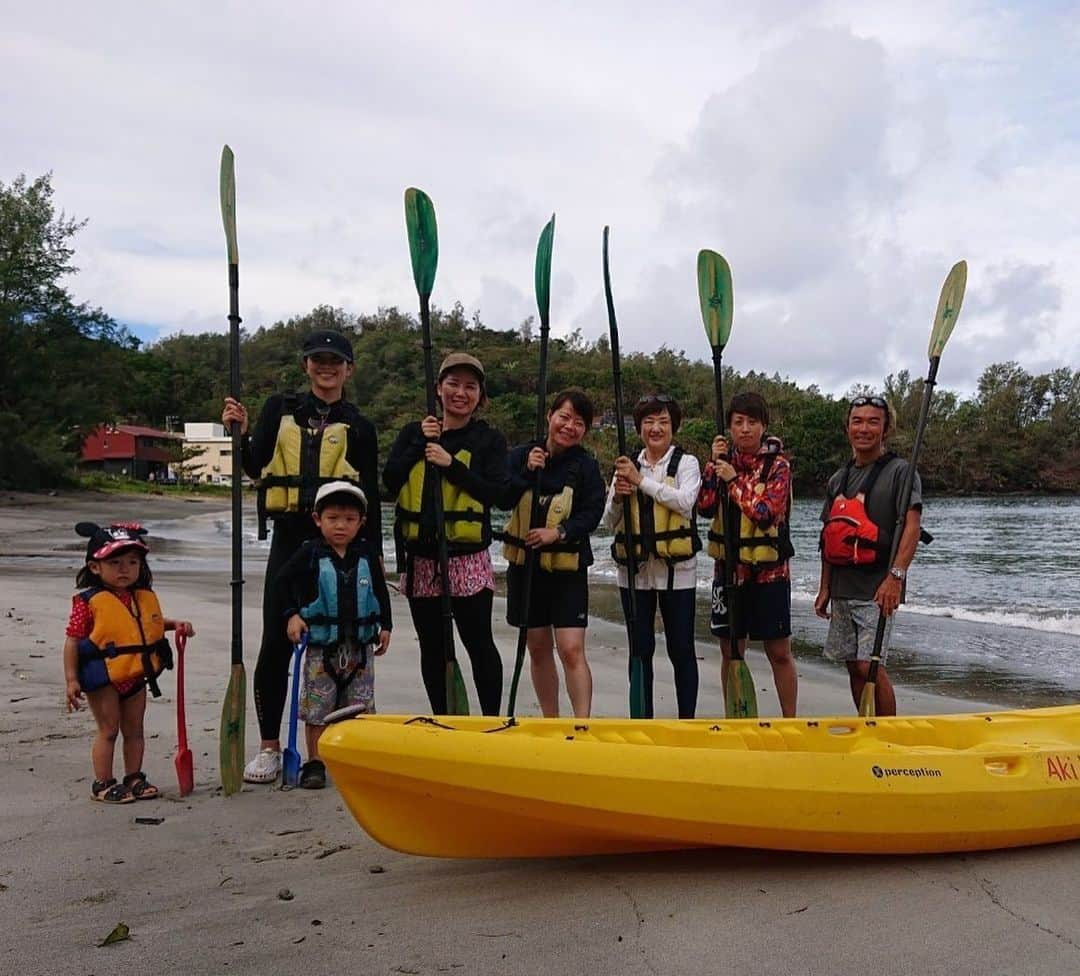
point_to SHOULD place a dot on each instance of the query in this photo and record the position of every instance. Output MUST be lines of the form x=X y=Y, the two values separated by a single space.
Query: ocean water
x=993 y=609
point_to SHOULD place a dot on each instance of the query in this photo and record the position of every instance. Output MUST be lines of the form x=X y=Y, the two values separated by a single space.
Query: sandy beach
x=203 y=889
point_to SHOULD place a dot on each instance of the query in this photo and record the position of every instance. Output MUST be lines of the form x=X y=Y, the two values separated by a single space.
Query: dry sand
x=200 y=890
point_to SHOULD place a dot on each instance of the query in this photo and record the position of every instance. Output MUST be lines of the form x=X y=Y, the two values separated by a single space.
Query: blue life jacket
x=345 y=606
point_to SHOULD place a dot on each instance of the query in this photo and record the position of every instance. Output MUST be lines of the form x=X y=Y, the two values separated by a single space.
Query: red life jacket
x=850 y=537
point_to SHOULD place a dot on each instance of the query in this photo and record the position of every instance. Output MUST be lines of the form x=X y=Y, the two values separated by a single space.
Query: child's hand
x=74 y=693
x=296 y=628
x=384 y=643
x=184 y=628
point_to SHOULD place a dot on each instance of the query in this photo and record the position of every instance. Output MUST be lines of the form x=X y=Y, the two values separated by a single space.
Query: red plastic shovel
x=185 y=766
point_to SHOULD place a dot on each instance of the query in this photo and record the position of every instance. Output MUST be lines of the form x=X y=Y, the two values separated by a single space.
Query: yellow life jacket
x=559 y=557
x=303 y=460
x=123 y=644
x=657 y=530
x=758 y=548
x=464 y=516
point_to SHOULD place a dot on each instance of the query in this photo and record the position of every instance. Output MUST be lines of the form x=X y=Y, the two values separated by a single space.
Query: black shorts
x=558 y=599
x=762 y=610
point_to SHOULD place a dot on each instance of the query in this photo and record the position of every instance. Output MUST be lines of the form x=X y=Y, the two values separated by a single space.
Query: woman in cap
x=471 y=458
x=300 y=441
x=572 y=502
x=662 y=484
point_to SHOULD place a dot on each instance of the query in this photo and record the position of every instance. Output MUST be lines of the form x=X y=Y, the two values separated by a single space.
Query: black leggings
x=677 y=611
x=472 y=614
x=271 y=683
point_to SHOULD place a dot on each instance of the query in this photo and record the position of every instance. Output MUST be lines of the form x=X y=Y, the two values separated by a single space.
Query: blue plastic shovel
x=290 y=759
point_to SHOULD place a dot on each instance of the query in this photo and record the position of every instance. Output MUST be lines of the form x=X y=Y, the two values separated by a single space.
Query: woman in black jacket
x=471 y=457
x=572 y=502
x=300 y=441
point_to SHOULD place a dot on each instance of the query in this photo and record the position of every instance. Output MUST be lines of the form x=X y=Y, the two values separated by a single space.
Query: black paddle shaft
x=728 y=512
x=906 y=488
x=435 y=479
x=237 y=581
x=534 y=518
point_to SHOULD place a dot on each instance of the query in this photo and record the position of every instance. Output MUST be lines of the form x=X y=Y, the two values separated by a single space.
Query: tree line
x=68 y=367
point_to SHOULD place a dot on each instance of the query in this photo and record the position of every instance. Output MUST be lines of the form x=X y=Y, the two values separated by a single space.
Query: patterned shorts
x=852 y=629
x=320 y=694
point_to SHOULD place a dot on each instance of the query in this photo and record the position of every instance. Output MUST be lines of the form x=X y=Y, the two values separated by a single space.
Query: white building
x=214 y=464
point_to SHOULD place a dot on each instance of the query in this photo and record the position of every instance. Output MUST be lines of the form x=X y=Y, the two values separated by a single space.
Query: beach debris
x=291 y=830
x=224 y=881
x=150 y=821
x=119 y=934
x=298 y=941
x=336 y=849
x=23 y=698
x=316 y=921
x=376 y=869
x=797 y=911
x=3 y=887
x=284 y=894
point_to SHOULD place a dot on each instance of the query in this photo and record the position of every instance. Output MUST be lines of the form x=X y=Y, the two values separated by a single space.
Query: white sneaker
x=264 y=768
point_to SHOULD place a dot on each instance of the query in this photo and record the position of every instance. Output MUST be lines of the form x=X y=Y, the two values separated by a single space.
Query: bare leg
x=312 y=734
x=132 y=713
x=571 y=644
x=105 y=707
x=785 y=677
x=545 y=677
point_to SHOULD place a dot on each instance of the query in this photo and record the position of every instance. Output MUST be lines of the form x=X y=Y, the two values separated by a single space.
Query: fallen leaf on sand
x=119 y=934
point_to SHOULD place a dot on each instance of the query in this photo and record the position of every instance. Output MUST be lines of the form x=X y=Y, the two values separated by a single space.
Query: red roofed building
x=134 y=452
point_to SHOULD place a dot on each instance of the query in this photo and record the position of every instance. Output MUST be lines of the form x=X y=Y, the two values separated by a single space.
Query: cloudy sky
x=841 y=155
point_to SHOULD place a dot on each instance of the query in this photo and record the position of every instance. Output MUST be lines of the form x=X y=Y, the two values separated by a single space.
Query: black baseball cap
x=326 y=340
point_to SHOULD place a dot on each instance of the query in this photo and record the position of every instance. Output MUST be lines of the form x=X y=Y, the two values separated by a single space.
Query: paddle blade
x=637 y=688
x=423 y=238
x=185 y=771
x=716 y=295
x=867 y=700
x=290 y=767
x=457 y=699
x=740 y=699
x=232 y=731
x=948 y=308
x=543 y=269
x=228 y=203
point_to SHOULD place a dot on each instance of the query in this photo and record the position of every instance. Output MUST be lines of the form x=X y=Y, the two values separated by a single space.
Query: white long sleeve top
x=680 y=497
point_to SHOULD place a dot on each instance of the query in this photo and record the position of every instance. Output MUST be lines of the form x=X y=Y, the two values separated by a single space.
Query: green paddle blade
x=716 y=295
x=457 y=699
x=423 y=239
x=228 y=203
x=867 y=706
x=231 y=742
x=948 y=308
x=740 y=699
x=543 y=269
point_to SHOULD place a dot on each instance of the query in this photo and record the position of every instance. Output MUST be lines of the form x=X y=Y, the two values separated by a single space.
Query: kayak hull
x=479 y=787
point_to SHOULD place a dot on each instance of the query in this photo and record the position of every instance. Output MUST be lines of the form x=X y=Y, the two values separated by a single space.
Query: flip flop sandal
x=109 y=791
x=140 y=787
x=313 y=775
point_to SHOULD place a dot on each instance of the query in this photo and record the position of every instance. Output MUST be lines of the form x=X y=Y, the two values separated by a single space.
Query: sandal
x=313 y=775
x=140 y=787
x=109 y=791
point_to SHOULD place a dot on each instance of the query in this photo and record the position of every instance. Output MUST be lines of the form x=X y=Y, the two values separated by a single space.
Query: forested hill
x=66 y=367
x=1019 y=433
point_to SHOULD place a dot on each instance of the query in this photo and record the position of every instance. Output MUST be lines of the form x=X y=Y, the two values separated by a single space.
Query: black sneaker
x=313 y=775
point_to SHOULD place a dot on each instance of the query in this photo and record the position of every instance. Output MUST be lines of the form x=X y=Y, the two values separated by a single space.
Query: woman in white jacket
x=662 y=485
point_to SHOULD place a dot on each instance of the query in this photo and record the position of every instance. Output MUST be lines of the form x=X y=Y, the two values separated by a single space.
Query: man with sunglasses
x=858 y=582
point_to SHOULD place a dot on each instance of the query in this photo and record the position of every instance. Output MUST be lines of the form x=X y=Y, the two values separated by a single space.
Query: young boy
x=333 y=589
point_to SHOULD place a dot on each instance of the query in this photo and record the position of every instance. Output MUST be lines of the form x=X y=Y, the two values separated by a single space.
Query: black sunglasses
x=869 y=401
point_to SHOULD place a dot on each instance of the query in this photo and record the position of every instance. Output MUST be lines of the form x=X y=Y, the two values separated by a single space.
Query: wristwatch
x=561 y=533
x=897 y=573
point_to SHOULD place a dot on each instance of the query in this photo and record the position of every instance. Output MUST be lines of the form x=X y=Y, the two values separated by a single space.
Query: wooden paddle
x=424 y=252
x=185 y=765
x=231 y=737
x=717 y=297
x=290 y=756
x=948 y=309
x=543 y=303
x=637 y=675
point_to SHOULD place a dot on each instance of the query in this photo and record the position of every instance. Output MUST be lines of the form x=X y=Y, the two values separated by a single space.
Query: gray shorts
x=852 y=629
x=320 y=694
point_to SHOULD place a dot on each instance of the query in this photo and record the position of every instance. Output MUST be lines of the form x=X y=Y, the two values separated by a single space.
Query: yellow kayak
x=480 y=787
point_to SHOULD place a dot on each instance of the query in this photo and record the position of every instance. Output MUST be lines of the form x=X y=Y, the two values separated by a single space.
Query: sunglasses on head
x=869 y=401
x=655 y=398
